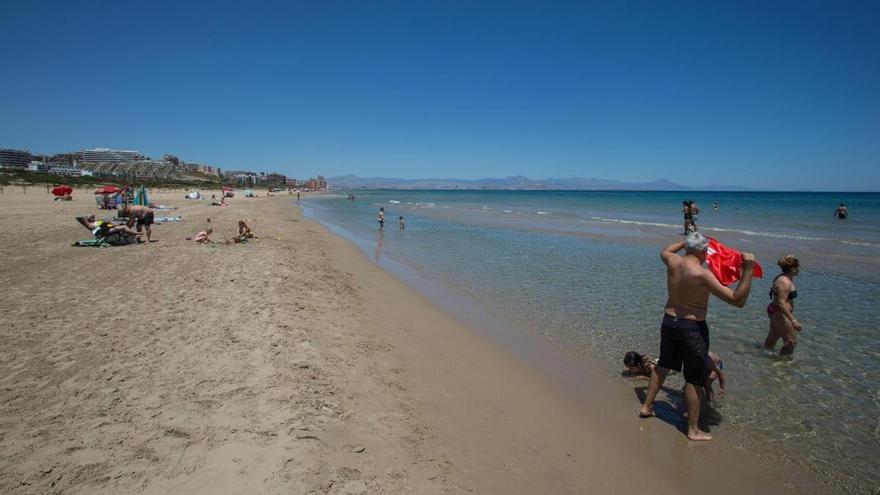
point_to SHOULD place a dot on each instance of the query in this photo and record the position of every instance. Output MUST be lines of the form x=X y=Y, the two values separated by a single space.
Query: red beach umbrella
x=62 y=190
x=226 y=188
x=108 y=190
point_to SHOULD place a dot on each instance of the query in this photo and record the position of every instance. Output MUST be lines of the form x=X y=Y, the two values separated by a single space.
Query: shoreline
x=293 y=363
x=547 y=366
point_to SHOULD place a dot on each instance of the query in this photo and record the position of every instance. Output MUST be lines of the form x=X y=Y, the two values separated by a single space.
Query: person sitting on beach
x=639 y=365
x=684 y=334
x=203 y=237
x=841 y=212
x=244 y=232
x=140 y=215
x=783 y=324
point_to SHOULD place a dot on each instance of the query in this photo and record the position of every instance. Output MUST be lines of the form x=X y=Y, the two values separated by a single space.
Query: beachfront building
x=106 y=155
x=274 y=179
x=321 y=183
x=14 y=158
x=68 y=171
x=242 y=177
x=37 y=167
x=199 y=168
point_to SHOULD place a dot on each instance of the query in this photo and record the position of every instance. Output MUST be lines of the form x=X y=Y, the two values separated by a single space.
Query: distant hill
x=518 y=182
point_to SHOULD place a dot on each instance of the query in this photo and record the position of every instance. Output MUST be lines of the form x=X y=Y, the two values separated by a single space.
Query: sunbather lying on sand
x=100 y=228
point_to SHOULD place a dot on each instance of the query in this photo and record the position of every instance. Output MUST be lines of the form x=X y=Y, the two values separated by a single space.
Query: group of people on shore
x=138 y=216
x=244 y=234
x=684 y=333
x=690 y=211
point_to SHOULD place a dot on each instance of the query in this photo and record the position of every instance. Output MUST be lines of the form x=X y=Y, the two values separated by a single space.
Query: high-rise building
x=14 y=158
x=104 y=155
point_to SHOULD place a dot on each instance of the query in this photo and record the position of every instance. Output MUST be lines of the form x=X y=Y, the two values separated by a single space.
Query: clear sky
x=779 y=95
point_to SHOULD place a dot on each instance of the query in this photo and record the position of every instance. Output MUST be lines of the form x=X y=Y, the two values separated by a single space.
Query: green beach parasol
x=141 y=197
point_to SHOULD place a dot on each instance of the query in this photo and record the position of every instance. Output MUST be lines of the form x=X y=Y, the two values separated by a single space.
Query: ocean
x=581 y=269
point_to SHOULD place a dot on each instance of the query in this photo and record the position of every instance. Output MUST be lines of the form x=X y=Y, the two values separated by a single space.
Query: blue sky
x=778 y=95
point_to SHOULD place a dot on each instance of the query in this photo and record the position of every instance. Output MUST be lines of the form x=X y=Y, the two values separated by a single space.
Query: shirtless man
x=684 y=335
x=140 y=215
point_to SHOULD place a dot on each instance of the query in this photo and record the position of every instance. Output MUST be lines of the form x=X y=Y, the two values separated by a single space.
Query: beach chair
x=102 y=238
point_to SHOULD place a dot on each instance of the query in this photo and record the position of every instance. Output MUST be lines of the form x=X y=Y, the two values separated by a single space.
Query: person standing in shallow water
x=841 y=212
x=783 y=324
x=684 y=335
x=381 y=218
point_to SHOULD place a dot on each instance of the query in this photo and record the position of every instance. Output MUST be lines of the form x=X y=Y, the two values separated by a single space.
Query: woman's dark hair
x=631 y=359
x=788 y=263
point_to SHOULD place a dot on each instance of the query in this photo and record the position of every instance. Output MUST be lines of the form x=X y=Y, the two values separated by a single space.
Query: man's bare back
x=689 y=283
x=137 y=211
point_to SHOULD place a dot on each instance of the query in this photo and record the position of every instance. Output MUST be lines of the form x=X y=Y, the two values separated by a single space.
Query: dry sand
x=292 y=364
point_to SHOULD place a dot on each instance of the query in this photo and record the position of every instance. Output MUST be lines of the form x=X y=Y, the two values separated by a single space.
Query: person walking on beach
x=692 y=206
x=690 y=210
x=381 y=218
x=686 y=211
x=140 y=215
x=783 y=324
x=841 y=212
x=684 y=334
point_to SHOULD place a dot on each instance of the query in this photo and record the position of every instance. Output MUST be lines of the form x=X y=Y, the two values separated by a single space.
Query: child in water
x=402 y=225
x=641 y=366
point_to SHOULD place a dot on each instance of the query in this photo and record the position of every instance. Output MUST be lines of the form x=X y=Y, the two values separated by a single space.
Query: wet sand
x=294 y=364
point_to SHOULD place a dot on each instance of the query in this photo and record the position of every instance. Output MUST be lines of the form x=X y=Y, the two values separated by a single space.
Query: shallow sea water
x=582 y=270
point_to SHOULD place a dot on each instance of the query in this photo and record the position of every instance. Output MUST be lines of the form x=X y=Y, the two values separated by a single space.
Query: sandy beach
x=294 y=364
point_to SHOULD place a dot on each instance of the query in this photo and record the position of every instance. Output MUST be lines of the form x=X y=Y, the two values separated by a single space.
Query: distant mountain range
x=518 y=182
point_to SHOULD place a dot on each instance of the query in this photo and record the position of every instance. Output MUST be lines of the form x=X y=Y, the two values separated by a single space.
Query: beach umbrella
x=108 y=190
x=140 y=198
x=226 y=188
x=62 y=190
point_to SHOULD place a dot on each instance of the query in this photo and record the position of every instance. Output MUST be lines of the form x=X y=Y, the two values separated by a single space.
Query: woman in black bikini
x=783 y=324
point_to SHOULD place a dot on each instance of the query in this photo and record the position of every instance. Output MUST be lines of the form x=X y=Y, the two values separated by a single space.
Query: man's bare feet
x=699 y=436
x=646 y=412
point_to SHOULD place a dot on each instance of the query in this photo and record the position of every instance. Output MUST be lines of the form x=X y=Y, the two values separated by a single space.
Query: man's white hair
x=695 y=243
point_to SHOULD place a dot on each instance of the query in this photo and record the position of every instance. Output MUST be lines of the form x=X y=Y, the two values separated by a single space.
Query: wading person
x=684 y=335
x=783 y=324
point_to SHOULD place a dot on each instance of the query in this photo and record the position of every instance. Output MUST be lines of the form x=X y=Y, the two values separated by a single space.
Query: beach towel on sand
x=91 y=243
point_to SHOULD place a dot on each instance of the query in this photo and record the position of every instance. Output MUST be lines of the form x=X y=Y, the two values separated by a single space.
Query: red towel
x=725 y=263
